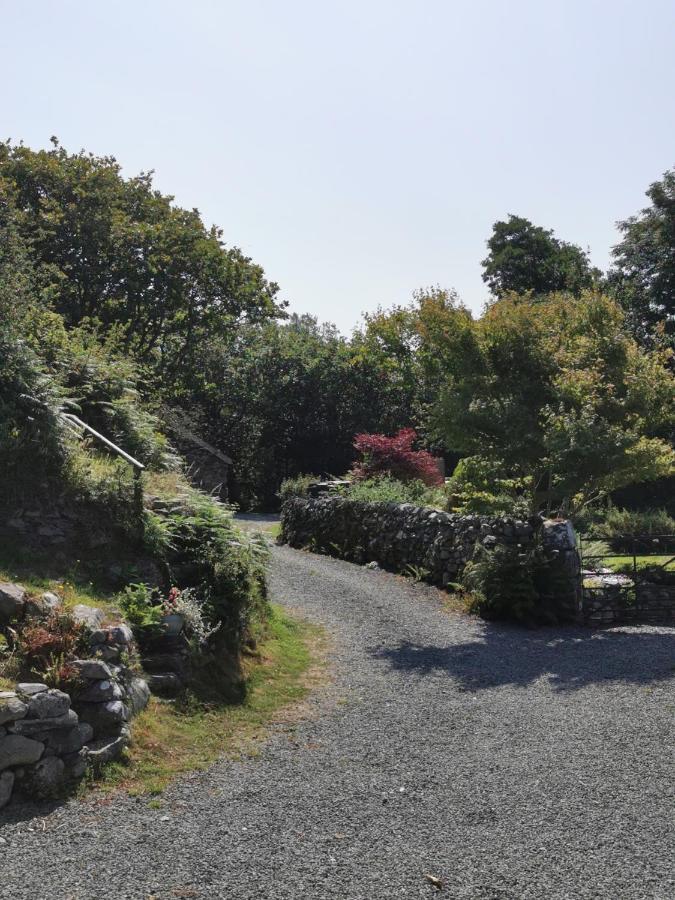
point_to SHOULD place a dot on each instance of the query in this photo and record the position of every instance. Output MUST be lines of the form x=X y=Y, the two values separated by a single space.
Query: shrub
x=296 y=487
x=140 y=605
x=385 y=489
x=620 y=526
x=510 y=582
x=394 y=456
x=478 y=487
x=50 y=645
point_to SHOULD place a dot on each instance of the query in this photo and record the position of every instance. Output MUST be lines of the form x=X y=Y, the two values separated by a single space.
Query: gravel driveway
x=506 y=763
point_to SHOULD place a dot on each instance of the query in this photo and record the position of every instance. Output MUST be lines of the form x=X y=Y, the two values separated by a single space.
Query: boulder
x=92 y=669
x=30 y=688
x=76 y=763
x=120 y=634
x=68 y=740
x=165 y=684
x=48 y=705
x=6 y=785
x=12 y=602
x=17 y=750
x=88 y=615
x=103 y=751
x=41 y=727
x=52 y=601
x=138 y=695
x=11 y=708
x=100 y=691
x=105 y=718
x=45 y=780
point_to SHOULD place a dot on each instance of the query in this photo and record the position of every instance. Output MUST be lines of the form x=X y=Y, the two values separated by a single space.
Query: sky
x=359 y=150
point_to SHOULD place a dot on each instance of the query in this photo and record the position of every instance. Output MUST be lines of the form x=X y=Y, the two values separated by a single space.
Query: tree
x=525 y=257
x=117 y=251
x=286 y=398
x=644 y=275
x=395 y=456
x=559 y=397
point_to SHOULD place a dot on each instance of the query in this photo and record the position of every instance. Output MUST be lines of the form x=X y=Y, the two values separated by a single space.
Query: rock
x=69 y=741
x=105 y=718
x=52 y=601
x=48 y=705
x=34 y=608
x=86 y=732
x=11 y=708
x=76 y=763
x=41 y=727
x=30 y=688
x=12 y=602
x=88 y=615
x=120 y=634
x=17 y=750
x=100 y=691
x=138 y=695
x=103 y=751
x=92 y=669
x=107 y=653
x=372 y=565
x=6 y=785
x=45 y=780
x=165 y=684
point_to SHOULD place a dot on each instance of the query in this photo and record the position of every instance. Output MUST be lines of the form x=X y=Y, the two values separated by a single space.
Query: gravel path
x=507 y=763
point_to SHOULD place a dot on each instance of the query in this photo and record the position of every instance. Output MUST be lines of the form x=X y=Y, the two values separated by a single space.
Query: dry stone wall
x=48 y=738
x=436 y=544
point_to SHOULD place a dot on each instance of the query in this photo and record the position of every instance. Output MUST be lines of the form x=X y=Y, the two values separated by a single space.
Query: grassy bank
x=170 y=739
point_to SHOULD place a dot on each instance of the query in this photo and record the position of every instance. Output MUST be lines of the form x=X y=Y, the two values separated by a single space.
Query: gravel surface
x=506 y=763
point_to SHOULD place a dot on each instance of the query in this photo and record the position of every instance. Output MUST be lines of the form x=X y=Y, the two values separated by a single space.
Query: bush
x=48 y=647
x=395 y=457
x=620 y=526
x=32 y=443
x=196 y=540
x=511 y=583
x=385 y=489
x=296 y=487
x=478 y=487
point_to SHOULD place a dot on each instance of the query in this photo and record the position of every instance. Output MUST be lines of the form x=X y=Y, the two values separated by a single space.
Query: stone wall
x=652 y=604
x=427 y=542
x=48 y=738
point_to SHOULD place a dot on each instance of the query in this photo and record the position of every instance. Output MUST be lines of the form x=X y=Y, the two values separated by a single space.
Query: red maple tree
x=394 y=456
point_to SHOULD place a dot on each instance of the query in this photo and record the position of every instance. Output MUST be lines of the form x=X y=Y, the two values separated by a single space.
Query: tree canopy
x=643 y=277
x=525 y=257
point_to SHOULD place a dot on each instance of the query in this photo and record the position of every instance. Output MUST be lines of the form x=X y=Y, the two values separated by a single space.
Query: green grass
x=169 y=739
x=642 y=562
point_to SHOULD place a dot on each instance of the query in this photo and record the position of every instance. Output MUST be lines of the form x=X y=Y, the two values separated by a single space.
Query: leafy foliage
x=385 y=489
x=620 y=526
x=559 y=397
x=296 y=487
x=394 y=456
x=524 y=257
x=644 y=274
x=508 y=582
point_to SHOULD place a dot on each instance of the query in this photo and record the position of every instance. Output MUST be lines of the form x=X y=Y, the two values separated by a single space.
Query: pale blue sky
x=359 y=150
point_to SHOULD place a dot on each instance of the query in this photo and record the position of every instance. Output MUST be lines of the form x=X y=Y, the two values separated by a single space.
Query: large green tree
x=643 y=277
x=558 y=397
x=116 y=250
x=525 y=257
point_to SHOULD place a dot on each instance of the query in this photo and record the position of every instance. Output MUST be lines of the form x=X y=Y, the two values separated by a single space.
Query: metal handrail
x=118 y=450
x=73 y=422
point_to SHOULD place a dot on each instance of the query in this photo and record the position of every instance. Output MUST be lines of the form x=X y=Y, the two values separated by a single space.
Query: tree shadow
x=570 y=659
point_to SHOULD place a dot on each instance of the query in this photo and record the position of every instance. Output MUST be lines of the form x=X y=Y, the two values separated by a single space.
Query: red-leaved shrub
x=394 y=456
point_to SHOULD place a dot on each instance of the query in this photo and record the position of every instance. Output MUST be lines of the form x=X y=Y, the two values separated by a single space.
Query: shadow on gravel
x=27 y=811
x=570 y=659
